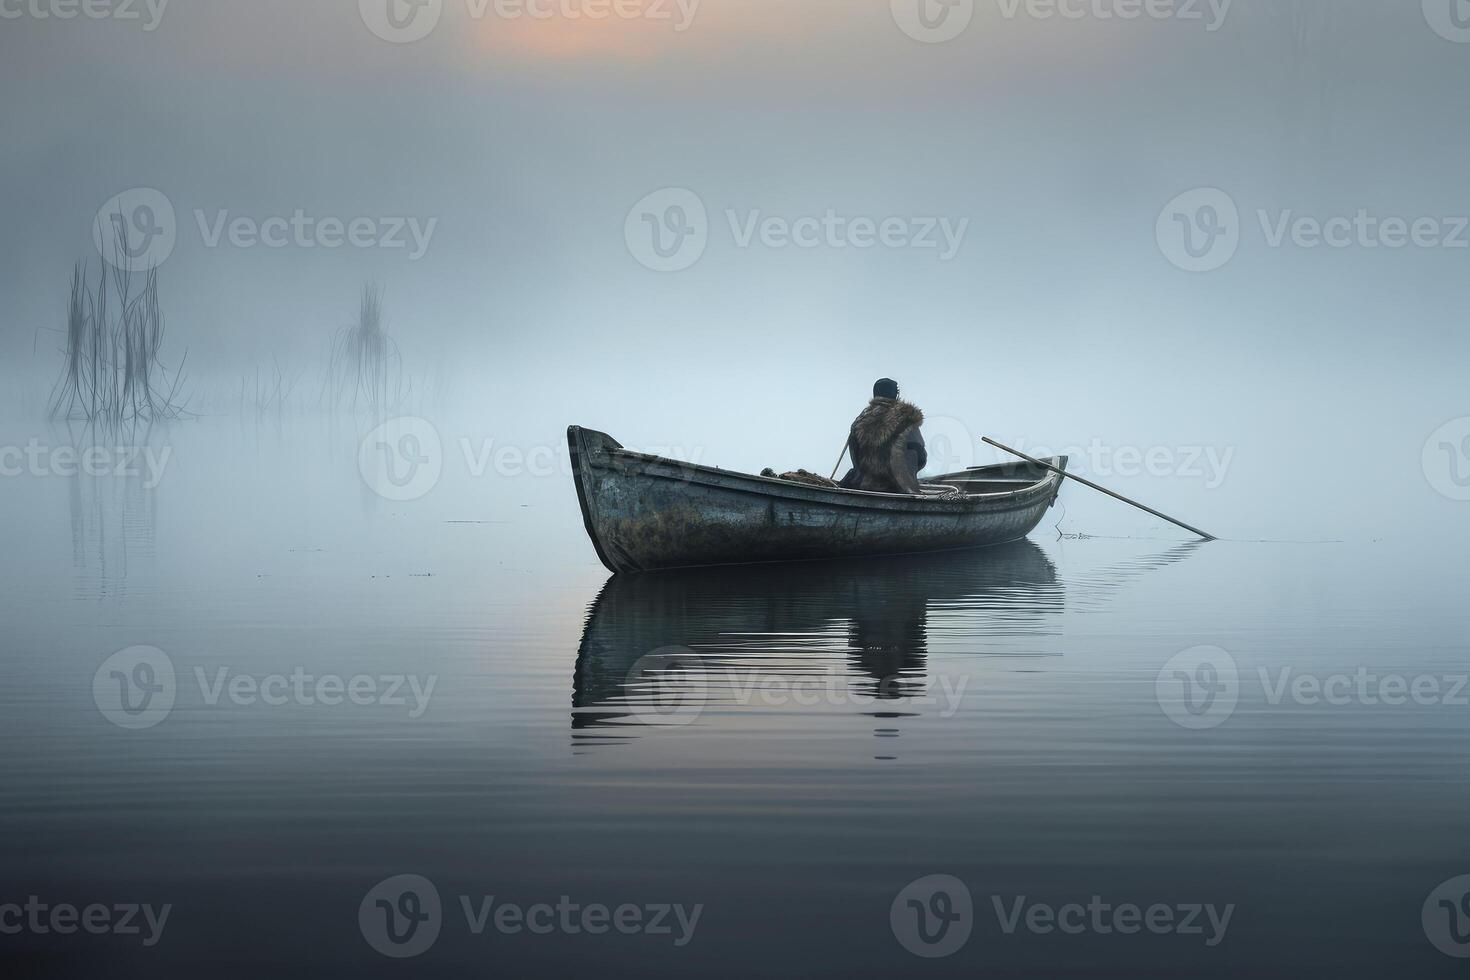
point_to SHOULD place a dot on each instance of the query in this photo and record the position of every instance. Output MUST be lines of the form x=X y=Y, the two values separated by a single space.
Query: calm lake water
x=260 y=693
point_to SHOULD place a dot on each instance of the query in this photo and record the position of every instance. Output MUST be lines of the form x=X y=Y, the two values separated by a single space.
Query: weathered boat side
x=644 y=512
x=577 y=444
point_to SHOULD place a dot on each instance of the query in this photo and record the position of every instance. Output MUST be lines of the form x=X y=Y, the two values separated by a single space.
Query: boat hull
x=645 y=512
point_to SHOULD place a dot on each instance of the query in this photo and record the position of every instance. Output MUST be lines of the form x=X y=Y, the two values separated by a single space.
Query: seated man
x=886 y=446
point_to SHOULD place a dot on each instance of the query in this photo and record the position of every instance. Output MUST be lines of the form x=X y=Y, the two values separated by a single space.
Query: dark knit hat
x=885 y=388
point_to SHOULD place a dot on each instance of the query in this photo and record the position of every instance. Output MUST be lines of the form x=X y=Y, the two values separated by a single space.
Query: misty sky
x=1055 y=142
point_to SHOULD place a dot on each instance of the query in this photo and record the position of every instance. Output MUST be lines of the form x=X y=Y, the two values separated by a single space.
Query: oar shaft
x=839 y=462
x=1101 y=489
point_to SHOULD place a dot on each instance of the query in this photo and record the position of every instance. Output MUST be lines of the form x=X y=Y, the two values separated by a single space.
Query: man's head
x=885 y=388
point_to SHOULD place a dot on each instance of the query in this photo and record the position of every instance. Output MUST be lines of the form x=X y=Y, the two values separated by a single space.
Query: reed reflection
x=112 y=505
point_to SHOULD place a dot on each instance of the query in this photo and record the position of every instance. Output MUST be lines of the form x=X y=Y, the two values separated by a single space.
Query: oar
x=1089 y=483
x=839 y=462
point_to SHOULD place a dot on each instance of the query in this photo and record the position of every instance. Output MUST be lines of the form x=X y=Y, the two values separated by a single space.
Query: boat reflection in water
x=692 y=646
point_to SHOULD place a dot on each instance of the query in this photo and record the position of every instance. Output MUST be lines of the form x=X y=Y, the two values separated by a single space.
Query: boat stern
x=1060 y=462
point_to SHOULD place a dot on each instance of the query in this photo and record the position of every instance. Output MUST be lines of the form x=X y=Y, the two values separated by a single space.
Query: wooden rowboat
x=645 y=512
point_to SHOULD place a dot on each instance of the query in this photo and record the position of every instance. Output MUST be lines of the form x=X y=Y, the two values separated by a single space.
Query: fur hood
x=887 y=448
x=884 y=419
